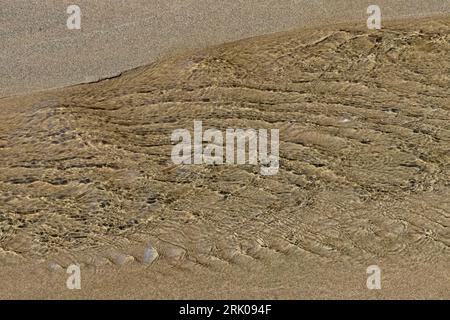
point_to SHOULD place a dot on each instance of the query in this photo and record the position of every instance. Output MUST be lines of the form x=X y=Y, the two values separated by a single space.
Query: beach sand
x=38 y=51
x=364 y=168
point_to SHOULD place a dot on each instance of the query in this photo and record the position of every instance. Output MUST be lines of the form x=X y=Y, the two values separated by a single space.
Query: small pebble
x=150 y=255
x=54 y=267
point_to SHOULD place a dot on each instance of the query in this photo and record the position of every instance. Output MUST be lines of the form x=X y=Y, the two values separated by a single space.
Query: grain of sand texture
x=38 y=51
x=86 y=175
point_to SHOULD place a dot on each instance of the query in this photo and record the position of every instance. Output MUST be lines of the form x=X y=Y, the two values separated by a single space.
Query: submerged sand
x=364 y=145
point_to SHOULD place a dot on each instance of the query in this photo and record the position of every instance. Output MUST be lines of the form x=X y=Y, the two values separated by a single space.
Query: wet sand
x=364 y=127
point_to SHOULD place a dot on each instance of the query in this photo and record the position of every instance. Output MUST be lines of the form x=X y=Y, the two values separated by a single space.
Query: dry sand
x=364 y=127
x=38 y=52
